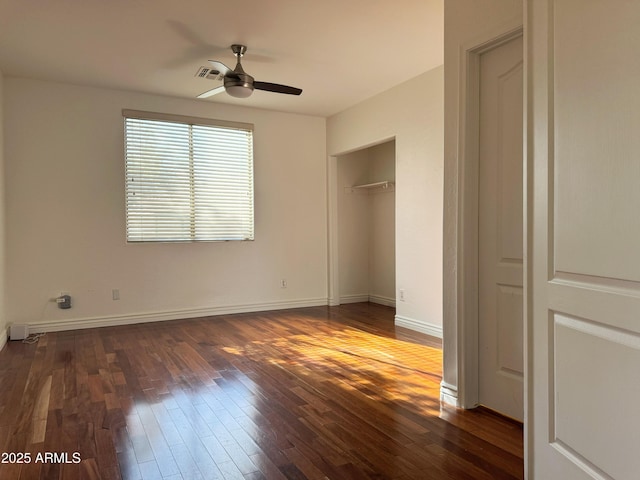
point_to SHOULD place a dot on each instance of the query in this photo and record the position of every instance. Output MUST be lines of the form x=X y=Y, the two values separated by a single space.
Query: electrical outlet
x=401 y=292
x=283 y=283
x=115 y=294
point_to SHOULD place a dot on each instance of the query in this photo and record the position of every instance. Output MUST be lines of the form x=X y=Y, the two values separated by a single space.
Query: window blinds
x=187 y=179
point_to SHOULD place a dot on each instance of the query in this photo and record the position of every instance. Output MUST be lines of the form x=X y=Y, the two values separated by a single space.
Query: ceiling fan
x=237 y=82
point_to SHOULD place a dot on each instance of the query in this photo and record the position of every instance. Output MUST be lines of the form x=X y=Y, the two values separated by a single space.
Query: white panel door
x=583 y=69
x=500 y=230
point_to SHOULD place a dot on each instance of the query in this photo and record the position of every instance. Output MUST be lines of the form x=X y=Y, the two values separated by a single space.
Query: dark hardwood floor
x=314 y=393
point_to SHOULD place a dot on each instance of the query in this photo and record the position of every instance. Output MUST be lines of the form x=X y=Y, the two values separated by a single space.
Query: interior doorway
x=500 y=229
x=362 y=253
x=469 y=343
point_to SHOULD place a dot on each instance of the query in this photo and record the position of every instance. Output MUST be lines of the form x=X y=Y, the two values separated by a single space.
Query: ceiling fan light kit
x=239 y=91
x=240 y=84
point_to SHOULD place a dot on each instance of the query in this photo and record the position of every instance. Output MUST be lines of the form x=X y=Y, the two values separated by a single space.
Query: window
x=187 y=179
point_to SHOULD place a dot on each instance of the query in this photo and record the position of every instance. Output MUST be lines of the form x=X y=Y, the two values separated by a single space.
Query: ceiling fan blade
x=213 y=91
x=220 y=67
x=276 y=87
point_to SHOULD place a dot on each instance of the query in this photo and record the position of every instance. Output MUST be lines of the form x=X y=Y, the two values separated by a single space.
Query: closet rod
x=384 y=184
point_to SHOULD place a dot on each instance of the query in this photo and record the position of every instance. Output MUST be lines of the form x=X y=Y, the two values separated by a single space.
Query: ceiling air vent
x=202 y=72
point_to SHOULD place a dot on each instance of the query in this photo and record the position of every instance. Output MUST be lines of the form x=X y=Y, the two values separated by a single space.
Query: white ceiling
x=339 y=52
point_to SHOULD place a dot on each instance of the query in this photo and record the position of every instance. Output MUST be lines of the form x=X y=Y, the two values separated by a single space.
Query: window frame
x=190 y=122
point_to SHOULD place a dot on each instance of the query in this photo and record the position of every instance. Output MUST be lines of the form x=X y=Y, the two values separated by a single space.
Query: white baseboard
x=449 y=394
x=380 y=300
x=365 y=297
x=3 y=338
x=354 y=298
x=422 y=327
x=115 y=320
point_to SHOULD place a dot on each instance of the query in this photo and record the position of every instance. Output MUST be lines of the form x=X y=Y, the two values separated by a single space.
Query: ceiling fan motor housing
x=240 y=86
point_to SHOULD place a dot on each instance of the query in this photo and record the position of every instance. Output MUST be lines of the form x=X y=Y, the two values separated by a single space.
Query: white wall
x=468 y=23
x=3 y=317
x=65 y=211
x=412 y=113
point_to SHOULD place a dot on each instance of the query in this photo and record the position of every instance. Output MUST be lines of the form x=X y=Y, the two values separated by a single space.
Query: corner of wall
x=467 y=23
x=3 y=319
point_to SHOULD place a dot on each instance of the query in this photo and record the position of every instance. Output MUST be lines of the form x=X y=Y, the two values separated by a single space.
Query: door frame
x=468 y=191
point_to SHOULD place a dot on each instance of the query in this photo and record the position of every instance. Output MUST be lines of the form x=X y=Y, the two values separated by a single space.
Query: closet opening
x=366 y=225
